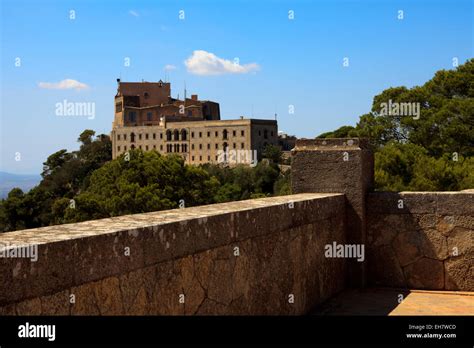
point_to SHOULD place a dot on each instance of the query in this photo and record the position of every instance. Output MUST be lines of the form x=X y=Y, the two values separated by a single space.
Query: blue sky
x=295 y=62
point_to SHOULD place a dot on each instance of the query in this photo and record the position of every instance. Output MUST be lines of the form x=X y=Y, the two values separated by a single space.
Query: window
x=146 y=136
x=217 y=134
x=161 y=147
x=208 y=134
x=140 y=147
x=118 y=136
x=184 y=134
x=208 y=146
x=224 y=134
x=118 y=107
x=125 y=148
x=265 y=134
x=154 y=135
x=132 y=137
x=200 y=135
x=146 y=147
x=154 y=146
x=190 y=113
x=118 y=148
x=148 y=116
x=176 y=135
x=200 y=146
x=140 y=136
x=242 y=133
x=208 y=158
x=242 y=145
x=192 y=158
x=192 y=146
x=216 y=157
x=125 y=137
x=234 y=133
x=234 y=146
x=271 y=133
x=184 y=148
x=146 y=95
x=132 y=116
x=217 y=146
x=168 y=135
x=259 y=133
x=161 y=135
x=200 y=158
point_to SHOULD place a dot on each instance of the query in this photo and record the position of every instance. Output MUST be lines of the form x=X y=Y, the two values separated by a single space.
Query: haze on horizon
x=252 y=58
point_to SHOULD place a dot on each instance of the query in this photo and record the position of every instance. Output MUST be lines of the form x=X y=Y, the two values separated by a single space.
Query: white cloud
x=206 y=63
x=134 y=13
x=169 y=67
x=64 y=84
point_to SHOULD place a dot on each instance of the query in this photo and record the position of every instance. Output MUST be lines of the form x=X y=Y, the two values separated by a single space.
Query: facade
x=148 y=118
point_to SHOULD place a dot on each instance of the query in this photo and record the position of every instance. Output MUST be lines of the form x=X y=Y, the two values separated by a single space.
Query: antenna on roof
x=185 y=91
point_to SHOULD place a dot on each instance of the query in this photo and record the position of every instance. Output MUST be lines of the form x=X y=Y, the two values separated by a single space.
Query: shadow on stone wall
x=421 y=240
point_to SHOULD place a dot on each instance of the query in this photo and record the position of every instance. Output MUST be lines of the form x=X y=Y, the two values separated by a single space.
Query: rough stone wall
x=421 y=240
x=183 y=261
x=338 y=165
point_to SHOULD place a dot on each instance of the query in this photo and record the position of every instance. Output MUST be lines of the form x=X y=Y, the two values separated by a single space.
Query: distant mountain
x=8 y=181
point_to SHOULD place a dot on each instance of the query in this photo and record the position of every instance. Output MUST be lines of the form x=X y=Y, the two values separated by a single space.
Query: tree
x=429 y=151
x=146 y=182
x=273 y=153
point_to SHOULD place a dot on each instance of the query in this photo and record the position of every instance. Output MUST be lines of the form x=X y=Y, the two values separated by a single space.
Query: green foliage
x=64 y=174
x=282 y=185
x=146 y=182
x=272 y=153
x=244 y=182
x=432 y=152
x=341 y=132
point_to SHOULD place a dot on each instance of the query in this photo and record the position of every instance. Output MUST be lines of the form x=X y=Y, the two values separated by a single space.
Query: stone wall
x=262 y=256
x=338 y=165
x=421 y=240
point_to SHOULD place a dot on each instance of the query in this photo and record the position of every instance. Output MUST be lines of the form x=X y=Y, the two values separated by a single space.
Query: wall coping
x=74 y=254
x=331 y=144
x=97 y=227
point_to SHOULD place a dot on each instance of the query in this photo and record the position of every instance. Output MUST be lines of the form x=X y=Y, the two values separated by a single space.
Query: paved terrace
x=386 y=301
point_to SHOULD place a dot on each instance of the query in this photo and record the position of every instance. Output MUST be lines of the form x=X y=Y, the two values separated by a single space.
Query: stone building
x=148 y=118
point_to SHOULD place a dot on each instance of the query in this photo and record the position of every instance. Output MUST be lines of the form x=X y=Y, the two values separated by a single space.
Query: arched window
x=168 y=135
x=132 y=137
x=176 y=135
x=184 y=134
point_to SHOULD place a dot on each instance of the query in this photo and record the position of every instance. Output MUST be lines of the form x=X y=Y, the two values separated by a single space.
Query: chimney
x=194 y=97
